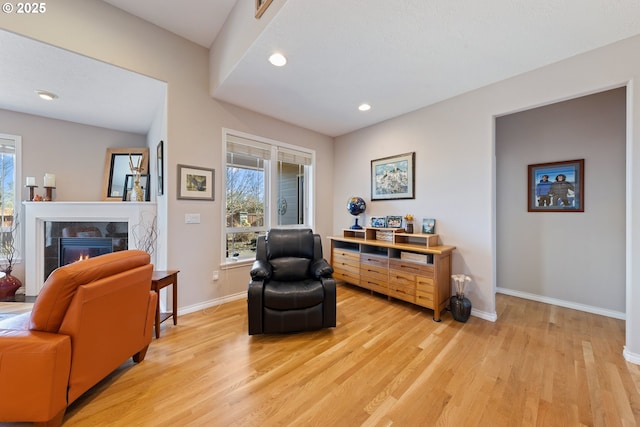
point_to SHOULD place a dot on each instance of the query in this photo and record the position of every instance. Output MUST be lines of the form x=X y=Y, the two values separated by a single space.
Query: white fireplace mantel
x=37 y=213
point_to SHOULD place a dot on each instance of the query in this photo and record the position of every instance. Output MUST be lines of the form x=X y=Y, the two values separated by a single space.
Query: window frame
x=271 y=187
x=17 y=195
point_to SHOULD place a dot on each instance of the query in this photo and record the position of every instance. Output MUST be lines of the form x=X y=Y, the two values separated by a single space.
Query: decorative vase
x=460 y=307
x=8 y=285
x=410 y=227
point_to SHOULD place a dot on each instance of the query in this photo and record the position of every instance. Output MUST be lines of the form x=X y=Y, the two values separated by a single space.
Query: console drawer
x=376 y=285
x=424 y=291
x=411 y=267
x=403 y=291
x=378 y=261
x=374 y=272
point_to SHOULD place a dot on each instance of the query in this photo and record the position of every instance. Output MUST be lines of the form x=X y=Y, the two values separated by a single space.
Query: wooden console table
x=408 y=267
x=159 y=280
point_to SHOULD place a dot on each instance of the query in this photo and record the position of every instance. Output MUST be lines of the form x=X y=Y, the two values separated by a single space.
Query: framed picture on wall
x=261 y=7
x=393 y=177
x=129 y=182
x=160 y=167
x=195 y=183
x=556 y=186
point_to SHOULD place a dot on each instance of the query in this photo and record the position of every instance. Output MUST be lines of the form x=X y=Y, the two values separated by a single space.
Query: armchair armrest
x=260 y=270
x=34 y=373
x=321 y=268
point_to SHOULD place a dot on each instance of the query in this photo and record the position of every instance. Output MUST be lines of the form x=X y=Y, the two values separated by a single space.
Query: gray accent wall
x=566 y=257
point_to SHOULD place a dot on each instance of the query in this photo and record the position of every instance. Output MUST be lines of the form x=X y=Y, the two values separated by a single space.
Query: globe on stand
x=355 y=206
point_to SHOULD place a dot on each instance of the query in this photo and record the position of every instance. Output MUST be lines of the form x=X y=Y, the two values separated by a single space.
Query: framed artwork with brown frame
x=393 y=177
x=261 y=7
x=117 y=165
x=556 y=186
x=195 y=183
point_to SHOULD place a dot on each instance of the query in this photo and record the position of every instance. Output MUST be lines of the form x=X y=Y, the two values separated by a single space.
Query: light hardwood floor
x=386 y=363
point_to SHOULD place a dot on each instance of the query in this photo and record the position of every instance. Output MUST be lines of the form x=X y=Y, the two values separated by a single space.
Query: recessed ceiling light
x=364 y=107
x=278 y=59
x=48 y=96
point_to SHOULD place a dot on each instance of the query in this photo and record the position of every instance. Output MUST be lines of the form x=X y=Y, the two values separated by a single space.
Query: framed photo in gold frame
x=261 y=7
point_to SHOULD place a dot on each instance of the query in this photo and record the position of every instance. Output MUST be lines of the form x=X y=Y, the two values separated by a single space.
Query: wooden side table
x=159 y=280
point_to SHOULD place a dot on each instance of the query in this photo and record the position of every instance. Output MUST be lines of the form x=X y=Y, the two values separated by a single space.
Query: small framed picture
x=129 y=181
x=160 y=167
x=428 y=226
x=556 y=187
x=378 y=222
x=195 y=183
x=394 y=221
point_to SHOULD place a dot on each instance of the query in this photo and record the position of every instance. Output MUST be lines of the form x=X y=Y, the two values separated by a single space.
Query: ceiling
x=396 y=56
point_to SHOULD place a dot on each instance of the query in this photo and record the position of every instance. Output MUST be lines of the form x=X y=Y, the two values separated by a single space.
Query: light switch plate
x=192 y=218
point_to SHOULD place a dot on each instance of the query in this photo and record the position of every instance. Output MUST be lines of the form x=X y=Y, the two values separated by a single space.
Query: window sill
x=228 y=265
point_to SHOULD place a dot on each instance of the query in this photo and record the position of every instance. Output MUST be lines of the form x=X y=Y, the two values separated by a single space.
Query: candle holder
x=48 y=193
x=31 y=195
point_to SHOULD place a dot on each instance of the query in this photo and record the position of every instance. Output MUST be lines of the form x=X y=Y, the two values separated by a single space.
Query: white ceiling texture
x=397 y=56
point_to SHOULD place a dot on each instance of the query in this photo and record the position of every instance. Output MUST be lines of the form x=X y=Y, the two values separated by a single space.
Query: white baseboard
x=492 y=317
x=562 y=303
x=211 y=303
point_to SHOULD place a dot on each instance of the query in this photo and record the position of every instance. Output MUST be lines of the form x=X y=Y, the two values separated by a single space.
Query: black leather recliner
x=291 y=287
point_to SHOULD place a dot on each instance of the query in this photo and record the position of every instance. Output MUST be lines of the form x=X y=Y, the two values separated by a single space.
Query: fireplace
x=40 y=245
x=74 y=249
x=69 y=241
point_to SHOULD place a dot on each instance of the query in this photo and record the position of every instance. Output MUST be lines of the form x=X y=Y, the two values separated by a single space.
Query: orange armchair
x=89 y=318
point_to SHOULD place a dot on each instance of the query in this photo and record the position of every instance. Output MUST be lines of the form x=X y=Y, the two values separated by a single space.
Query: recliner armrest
x=260 y=270
x=321 y=268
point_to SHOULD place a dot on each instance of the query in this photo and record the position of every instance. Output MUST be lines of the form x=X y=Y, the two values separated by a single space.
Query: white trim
x=562 y=303
x=211 y=303
x=491 y=317
x=631 y=357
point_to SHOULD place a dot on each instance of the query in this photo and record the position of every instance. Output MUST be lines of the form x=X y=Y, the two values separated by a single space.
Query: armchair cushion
x=290 y=269
x=293 y=295
x=289 y=243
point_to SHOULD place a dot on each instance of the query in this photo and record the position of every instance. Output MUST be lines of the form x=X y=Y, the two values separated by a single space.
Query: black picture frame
x=393 y=178
x=160 y=167
x=118 y=163
x=145 y=182
x=556 y=186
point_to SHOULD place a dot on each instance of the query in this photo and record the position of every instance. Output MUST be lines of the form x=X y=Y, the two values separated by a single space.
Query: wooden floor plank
x=385 y=364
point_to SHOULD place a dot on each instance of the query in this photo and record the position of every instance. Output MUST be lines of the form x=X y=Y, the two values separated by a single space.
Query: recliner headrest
x=290 y=243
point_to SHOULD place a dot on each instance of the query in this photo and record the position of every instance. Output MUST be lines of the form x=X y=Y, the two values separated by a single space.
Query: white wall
x=193 y=130
x=454 y=142
x=74 y=153
x=574 y=259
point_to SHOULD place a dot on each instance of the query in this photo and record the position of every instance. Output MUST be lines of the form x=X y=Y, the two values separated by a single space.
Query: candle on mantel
x=49 y=180
x=31 y=181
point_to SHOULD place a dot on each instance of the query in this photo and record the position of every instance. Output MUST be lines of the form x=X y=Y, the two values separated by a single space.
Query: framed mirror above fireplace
x=116 y=167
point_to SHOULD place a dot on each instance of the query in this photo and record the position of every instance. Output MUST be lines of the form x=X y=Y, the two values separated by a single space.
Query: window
x=267 y=184
x=9 y=193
